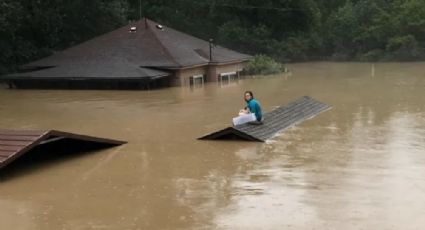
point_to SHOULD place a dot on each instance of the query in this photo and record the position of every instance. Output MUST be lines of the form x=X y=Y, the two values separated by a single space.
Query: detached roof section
x=274 y=122
x=15 y=143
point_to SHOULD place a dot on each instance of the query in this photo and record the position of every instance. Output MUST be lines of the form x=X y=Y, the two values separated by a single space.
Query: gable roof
x=274 y=121
x=16 y=143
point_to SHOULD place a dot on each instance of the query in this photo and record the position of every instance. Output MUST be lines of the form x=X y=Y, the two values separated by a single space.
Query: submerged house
x=142 y=54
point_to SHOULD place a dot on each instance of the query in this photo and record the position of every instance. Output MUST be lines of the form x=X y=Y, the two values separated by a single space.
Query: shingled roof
x=274 y=122
x=146 y=52
x=186 y=50
x=112 y=68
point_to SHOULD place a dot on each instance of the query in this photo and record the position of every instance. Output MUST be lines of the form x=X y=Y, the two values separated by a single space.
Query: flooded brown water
x=360 y=165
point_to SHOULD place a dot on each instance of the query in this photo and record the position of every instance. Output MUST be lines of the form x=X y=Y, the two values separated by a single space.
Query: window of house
x=197 y=80
x=227 y=78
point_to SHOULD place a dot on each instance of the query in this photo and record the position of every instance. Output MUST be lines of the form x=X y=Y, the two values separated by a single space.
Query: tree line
x=287 y=30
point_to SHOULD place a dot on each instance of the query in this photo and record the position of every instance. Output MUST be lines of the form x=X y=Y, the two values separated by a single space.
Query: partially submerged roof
x=16 y=143
x=140 y=48
x=134 y=51
x=186 y=50
x=274 y=122
x=149 y=45
x=93 y=69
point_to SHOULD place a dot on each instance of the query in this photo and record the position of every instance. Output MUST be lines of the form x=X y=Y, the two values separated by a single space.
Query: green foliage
x=378 y=30
x=404 y=47
x=33 y=29
x=282 y=29
x=301 y=30
x=373 y=55
x=263 y=65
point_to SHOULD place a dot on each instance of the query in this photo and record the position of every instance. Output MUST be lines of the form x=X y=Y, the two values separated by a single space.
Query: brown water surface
x=360 y=165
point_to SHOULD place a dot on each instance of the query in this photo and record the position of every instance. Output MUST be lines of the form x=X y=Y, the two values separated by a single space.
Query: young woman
x=252 y=106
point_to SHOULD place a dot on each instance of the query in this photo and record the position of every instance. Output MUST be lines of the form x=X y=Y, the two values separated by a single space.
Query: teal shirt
x=255 y=107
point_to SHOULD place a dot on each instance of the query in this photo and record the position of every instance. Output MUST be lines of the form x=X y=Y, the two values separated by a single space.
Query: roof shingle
x=124 y=53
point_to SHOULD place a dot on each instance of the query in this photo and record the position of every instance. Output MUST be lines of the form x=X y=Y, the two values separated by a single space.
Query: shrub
x=264 y=65
x=372 y=55
x=404 y=47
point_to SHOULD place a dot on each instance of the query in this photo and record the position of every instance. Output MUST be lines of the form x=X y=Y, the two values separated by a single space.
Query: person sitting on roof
x=252 y=106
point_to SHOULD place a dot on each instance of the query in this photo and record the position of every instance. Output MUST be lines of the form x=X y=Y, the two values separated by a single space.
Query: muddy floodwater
x=360 y=165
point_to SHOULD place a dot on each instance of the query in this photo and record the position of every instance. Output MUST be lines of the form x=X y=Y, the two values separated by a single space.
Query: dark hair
x=250 y=93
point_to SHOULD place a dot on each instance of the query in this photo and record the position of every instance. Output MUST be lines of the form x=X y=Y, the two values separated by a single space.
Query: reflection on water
x=357 y=166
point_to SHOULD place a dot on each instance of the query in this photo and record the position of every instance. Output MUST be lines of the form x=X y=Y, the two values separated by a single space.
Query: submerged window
x=227 y=78
x=197 y=80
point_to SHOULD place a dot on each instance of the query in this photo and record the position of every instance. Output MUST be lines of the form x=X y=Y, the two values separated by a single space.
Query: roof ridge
x=166 y=51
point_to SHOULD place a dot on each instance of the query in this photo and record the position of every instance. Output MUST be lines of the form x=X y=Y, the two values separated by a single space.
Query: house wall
x=182 y=77
x=215 y=70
